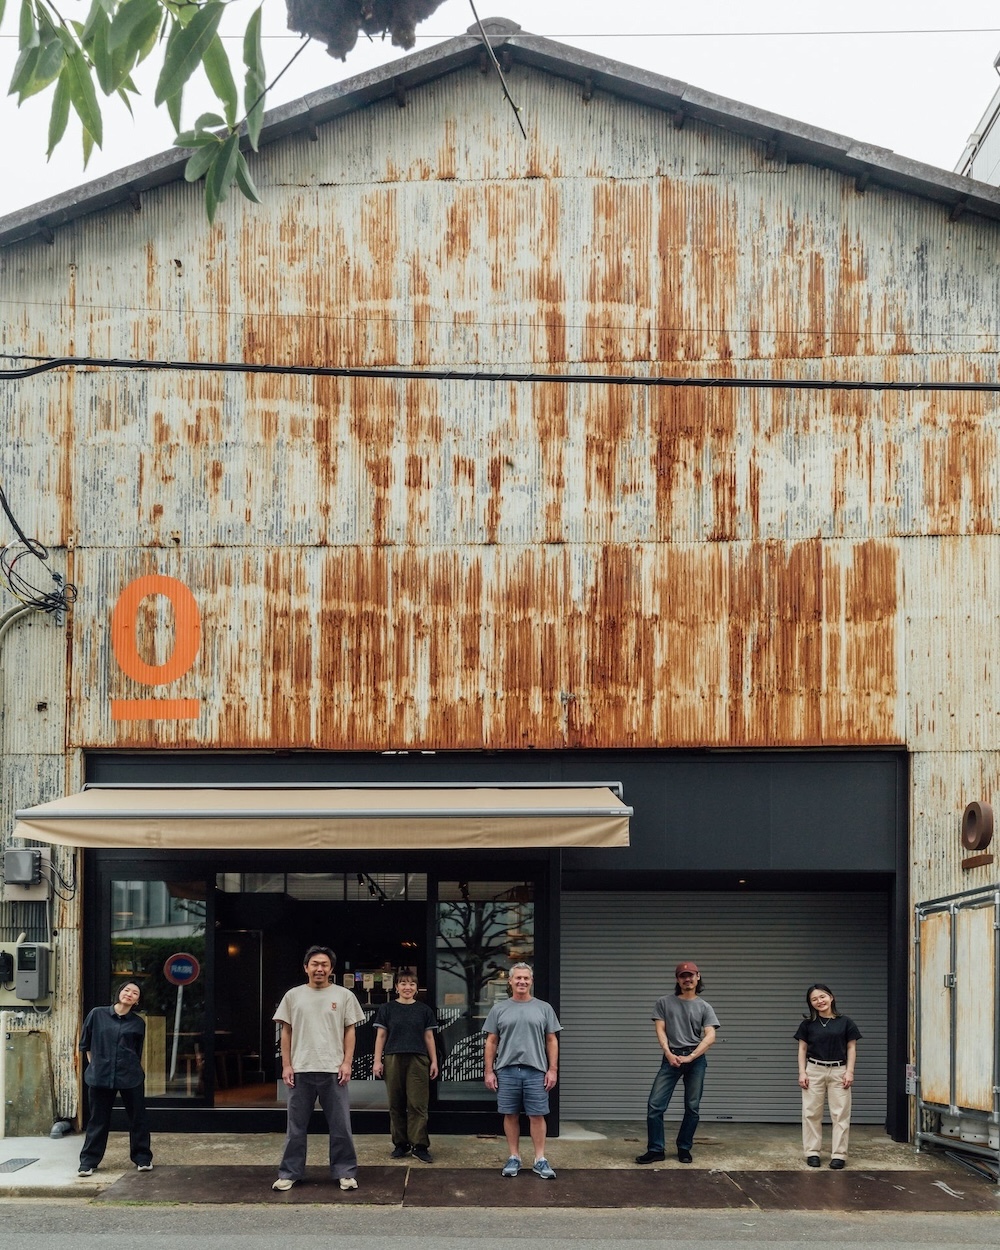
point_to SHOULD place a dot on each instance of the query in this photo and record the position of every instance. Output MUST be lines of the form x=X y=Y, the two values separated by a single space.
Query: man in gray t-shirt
x=521 y=1060
x=685 y=1028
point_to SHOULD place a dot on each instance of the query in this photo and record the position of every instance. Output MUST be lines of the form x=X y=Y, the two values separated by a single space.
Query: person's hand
x=549 y=1080
x=847 y=1080
x=804 y=1081
x=343 y=1073
x=378 y=1068
x=433 y=1072
x=288 y=1075
x=490 y=1081
x=672 y=1059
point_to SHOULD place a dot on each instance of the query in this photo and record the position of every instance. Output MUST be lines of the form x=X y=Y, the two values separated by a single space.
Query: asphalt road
x=65 y=1224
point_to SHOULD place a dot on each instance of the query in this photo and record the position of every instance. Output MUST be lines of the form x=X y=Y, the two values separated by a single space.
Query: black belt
x=683 y=1050
x=827 y=1063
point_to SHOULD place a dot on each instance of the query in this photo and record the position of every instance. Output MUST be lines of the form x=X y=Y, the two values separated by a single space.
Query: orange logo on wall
x=124 y=643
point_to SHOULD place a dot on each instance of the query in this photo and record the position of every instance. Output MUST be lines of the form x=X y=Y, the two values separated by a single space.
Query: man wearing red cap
x=685 y=1028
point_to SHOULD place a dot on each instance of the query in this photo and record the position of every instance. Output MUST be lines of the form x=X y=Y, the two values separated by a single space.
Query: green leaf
x=84 y=98
x=221 y=175
x=221 y=77
x=95 y=18
x=59 y=115
x=104 y=64
x=45 y=68
x=174 y=109
x=208 y=120
x=24 y=71
x=88 y=147
x=244 y=181
x=194 y=139
x=131 y=25
x=256 y=79
x=186 y=49
x=27 y=31
x=200 y=161
x=3 y=5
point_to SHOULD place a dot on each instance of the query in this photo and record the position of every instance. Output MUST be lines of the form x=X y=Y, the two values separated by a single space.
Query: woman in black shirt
x=827 y=1051
x=112 y=1040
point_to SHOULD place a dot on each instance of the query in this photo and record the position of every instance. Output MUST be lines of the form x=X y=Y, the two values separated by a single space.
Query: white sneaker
x=144 y=1167
x=283 y=1183
x=85 y=1172
x=348 y=1182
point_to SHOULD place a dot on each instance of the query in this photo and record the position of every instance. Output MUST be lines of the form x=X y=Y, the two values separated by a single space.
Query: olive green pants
x=408 y=1084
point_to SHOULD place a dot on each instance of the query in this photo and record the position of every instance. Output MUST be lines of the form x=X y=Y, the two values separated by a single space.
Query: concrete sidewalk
x=590 y=1146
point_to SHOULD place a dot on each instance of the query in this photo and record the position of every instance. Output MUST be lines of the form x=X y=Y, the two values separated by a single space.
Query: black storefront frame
x=654 y=861
x=173 y=1114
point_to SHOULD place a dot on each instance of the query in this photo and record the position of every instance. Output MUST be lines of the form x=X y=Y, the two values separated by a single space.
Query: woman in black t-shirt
x=827 y=1051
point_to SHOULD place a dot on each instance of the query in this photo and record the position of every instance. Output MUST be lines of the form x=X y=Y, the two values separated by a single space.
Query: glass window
x=482 y=928
x=150 y=922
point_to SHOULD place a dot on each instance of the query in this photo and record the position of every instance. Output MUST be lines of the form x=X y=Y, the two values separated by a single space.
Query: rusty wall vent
x=977 y=834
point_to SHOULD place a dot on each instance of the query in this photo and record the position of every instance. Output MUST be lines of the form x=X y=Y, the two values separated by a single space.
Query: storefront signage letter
x=124 y=643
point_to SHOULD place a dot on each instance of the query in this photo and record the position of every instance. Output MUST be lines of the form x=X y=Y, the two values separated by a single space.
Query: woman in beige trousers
x=828 y=1044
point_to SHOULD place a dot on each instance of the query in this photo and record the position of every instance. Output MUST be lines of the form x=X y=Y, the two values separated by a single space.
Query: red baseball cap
x=687 y=966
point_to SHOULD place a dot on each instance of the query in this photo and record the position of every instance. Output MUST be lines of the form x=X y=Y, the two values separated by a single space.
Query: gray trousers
x=336 y=1103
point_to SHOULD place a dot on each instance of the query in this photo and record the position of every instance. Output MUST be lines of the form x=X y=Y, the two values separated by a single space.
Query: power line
x=48 y=364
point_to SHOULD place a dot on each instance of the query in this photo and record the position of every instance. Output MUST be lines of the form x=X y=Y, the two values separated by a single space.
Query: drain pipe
x=4 y=1040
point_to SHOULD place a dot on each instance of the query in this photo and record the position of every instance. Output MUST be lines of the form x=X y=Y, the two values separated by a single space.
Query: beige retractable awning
x=330 y=818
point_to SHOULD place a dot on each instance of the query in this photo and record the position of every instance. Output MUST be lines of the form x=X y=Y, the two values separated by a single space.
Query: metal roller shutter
x=757 y=954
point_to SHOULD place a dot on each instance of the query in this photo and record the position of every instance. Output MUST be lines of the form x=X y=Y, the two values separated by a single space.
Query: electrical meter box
x=31 y=971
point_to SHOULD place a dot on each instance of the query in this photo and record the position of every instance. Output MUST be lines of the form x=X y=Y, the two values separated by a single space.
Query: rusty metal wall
x=408 y=564
x=34 y=761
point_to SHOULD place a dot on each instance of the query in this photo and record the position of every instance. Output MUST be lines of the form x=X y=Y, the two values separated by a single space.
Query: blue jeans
x=693 y=1076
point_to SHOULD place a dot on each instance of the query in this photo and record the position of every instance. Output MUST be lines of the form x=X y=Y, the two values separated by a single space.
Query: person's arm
x=707 y=1039
x=431 y=1051
x=380 y=1036
x=287 y=1071
x=803 y=1075
x=661 y=1037
x=489 y=1058
x=852 y=1053
x=552 y=1052
x=350 y=1038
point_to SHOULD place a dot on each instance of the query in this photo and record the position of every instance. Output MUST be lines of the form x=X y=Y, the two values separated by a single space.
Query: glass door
x=482 y=928
x=157 y=940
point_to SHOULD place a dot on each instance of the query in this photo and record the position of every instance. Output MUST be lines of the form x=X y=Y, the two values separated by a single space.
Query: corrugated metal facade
x=392 y=564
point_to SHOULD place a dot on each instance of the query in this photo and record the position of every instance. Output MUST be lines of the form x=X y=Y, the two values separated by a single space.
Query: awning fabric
x=330 y=818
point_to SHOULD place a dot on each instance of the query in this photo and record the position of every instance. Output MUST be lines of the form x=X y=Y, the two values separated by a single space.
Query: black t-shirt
x=827 y=1039
x=405 y=1025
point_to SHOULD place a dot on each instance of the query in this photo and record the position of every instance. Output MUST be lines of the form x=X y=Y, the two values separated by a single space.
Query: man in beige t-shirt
x=317 y=1049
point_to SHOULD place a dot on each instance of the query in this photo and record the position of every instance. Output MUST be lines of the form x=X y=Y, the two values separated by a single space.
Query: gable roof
x=792 y=140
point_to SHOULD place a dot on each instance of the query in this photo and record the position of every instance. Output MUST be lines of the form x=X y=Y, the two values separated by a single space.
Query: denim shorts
x=520 y=1088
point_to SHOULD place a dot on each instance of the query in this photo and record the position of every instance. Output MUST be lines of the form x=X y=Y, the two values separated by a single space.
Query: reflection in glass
x=482 y=928
x=150 y=922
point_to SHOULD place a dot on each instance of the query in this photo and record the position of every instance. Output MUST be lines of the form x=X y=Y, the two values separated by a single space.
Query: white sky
x=920 y=94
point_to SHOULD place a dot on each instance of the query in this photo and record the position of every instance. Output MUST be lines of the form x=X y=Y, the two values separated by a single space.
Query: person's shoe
x=144 y=1167
x=511 y=1167
x=348 y=1182
x=423 y=1154
x=651 y=1156
x=544 y=1170
x=283 y=1183
x=399 y=1152
x=837 y=1164
x=814 y=1161
x=85 y=1172
x=684 y=1156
